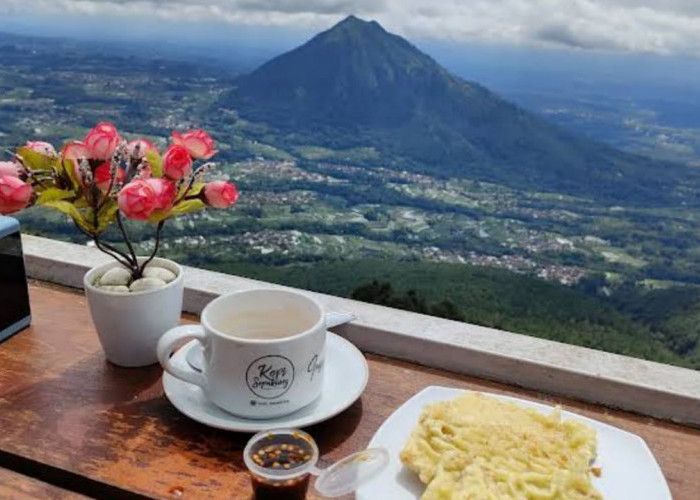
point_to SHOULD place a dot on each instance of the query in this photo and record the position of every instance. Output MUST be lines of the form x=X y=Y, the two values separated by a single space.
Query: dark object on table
x=14 y=296
x=280 y=463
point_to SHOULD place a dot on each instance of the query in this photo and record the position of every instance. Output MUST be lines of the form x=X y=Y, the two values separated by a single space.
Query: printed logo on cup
x=314 y=367
x=270 y=377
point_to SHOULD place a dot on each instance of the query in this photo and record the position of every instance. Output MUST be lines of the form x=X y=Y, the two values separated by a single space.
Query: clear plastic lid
x=351 y=472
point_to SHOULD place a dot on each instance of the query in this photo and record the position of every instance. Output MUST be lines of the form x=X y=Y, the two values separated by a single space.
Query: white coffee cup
x=264 y=352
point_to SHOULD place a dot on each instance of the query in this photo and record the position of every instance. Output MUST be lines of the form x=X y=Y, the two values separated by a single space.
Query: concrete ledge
x=644 y=387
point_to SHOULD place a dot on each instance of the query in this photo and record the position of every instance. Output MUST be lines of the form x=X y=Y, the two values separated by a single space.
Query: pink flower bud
x=177 y=162
x=197 y=142
x=102 y=141
x=220 y=194
x=143 y=145
x=14 y=194
x=75 y=150
x=165 y=192
x=103 y=177
x=10 y=168
x=137 y=200
x=43 y=148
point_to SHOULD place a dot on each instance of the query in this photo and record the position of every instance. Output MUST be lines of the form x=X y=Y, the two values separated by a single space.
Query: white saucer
x=345 y=378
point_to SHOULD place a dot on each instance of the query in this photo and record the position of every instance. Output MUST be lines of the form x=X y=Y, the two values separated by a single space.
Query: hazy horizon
x=245 y=47
x=640 y=26
x=565 y=84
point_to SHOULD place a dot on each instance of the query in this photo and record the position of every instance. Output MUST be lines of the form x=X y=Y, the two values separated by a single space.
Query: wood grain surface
x=14 y=486
x=109 y=432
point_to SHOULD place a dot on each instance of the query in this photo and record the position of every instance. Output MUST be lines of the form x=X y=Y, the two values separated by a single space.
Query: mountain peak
x=350 y=20
x=355 y=22
x=355 y=28
x=364 y=74
x=355 y=61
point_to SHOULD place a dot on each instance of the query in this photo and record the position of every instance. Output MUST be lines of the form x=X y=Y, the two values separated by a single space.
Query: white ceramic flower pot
x=129 y=325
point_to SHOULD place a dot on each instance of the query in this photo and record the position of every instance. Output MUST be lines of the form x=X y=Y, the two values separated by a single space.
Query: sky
x=667 y=27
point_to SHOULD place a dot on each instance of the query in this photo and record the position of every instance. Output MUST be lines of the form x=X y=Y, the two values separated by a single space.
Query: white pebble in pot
x=115 y=288
x=115 y=277
x=143 y=284
x=159 y=272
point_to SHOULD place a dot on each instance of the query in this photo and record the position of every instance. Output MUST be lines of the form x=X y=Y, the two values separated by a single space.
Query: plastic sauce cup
x=281 y=463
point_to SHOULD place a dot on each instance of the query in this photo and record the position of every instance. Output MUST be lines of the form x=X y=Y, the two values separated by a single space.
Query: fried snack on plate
x=479 y=448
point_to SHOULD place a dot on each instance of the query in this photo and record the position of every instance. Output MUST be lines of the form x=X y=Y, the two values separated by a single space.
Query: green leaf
x=53 y=194
x=155 y=162
x=69 y=209
x=68 y=170
x=81 y=203
x=160 y=215
x=196 y=189
x=182 y=208
x=107 y=215
x=193 y=191
x=187 y=207
x=36 y=161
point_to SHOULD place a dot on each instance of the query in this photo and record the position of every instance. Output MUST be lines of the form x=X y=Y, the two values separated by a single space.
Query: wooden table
x=70 y=419
x=20 y=487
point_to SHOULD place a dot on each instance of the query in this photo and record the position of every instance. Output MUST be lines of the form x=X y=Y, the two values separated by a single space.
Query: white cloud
x=665 y=27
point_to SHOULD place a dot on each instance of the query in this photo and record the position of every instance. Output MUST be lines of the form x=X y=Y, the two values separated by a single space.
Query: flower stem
x=132 y=263
x=108 y=249
x=115 y=254
x=127 y=240
x=155 y=250
x=190 y=183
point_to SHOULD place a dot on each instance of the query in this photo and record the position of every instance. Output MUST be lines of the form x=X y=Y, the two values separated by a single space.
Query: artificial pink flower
x=143 y=145
x=177 y=162
x=43 y=148
x=14 y=194
x=137 y=200
x=10 y=168
x=220 y=194
x=75 y=150
x=199 y=144
x=165 y=192
x=103 y=177
x=102 y=141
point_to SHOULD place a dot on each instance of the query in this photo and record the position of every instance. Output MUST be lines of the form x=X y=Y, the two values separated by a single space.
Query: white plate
x=345 y=378
x=629 y=468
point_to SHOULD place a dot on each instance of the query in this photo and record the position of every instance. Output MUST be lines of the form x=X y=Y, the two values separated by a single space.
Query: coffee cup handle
x=167 y=344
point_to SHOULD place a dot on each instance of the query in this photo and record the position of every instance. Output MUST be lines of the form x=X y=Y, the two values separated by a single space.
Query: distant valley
x=640 y=103
x=539 y=255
